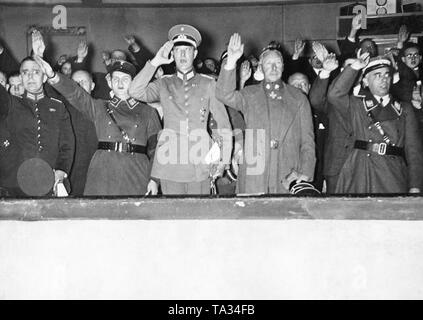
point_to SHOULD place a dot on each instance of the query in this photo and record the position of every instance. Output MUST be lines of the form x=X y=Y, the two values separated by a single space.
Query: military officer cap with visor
x=125 y=67
x=377 y=63
x=183 y=34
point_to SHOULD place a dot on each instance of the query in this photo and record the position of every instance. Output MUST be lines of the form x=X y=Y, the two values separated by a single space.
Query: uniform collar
x=273 y=89
x=273 y=86
x=34 y=96
x=185 y=76
x=131 y=102
x=388 y=110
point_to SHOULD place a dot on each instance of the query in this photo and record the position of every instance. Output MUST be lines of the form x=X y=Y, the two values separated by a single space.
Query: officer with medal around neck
x=387 y=154
x=187 y=99
x=126 y=130
x=38 y=126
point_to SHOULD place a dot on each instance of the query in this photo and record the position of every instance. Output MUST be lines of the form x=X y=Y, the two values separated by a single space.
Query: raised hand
x=105 y=55
x=362 y=61
x=403 y=34
x=162 y=56
x=319 y=50
x=235 y=50
x=132 y=42
x=330 y=63
x=245 y=72
x=38 y=45
x=62 y=59
x=82 y=50
x=356 y=22
x=299 y=46
x=45 y=66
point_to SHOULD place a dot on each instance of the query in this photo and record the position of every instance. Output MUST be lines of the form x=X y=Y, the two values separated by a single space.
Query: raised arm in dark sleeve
x=5 y=101
x=8 y=63
x=338 y=94
x=318 y=95
x=66 y=144
x=77 y=96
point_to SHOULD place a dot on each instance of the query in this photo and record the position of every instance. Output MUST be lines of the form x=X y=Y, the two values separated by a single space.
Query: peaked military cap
x=377 y=63
x=123 y=66
x=184 y=34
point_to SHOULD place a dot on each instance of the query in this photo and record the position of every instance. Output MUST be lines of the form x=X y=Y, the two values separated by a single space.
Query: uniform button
x=186 y=111
x=133 y=139
x=370 y=140
x=370 y=127
x=136 y=126
x=186 y=89
x=109 y=137
x=186 y=103
x=39 y=121
x=39 y=135
x=186 y=96
x=38 y=128
x=110 y=123
x=368 y=154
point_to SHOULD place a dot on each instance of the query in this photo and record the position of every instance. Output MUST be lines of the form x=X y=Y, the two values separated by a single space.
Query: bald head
x=118 y=55
x=300 y=81
x=84 y=79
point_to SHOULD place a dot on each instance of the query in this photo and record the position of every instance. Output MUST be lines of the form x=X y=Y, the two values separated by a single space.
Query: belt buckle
x=382 y=149
x=274 y=144
x=118 y=146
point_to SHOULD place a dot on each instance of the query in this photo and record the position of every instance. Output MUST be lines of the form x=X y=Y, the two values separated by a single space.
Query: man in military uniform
x=126 y=130
x=279 y=143
x=187 y=99
x=387 y=154
x=36 y=126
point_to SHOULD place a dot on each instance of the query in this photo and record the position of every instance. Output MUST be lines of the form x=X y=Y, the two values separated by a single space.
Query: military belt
x=379 y=148
x=122 y=147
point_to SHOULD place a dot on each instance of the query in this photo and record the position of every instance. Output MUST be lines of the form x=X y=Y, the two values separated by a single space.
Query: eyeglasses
x=412 y=55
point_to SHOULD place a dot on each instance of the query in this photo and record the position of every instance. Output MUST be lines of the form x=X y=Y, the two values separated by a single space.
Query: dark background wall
x=107 y=26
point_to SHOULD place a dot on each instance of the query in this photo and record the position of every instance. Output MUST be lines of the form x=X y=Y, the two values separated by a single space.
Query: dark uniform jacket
x=38 y=127
x=111 y=172
x=339 y=140
x=85 y=143
x=371 y=172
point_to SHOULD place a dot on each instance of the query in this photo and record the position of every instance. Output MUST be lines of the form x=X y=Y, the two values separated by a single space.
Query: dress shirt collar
x=385 y=99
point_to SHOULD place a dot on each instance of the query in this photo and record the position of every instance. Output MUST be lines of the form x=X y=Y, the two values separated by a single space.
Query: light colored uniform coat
x=186 y=101
x=284 y=116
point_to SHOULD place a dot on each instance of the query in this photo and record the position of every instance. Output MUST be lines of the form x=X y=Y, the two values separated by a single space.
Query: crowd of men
x=177 y=125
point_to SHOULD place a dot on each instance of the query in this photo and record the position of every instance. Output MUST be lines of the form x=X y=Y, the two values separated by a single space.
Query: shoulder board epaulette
x=56 y=100
x=207 y=76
